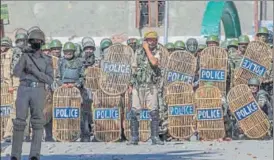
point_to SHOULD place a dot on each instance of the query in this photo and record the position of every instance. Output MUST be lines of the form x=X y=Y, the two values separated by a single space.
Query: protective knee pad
x=19 y=125
x=37 y=124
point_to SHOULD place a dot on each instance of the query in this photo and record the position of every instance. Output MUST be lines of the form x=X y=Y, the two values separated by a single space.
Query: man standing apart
x=144 y=88
x=31 y=94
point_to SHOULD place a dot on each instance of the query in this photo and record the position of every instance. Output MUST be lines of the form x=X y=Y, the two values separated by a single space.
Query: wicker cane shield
x=213 y=67
x=92 y=78
x=144 y=120
x=181 y=67
x=164 y=56
x=255 y=63
x=106 y=117
x=66 y=114
x=181 y=111
x=252 y=120
x=209 y=113
x=116 y=70
x=6 y=107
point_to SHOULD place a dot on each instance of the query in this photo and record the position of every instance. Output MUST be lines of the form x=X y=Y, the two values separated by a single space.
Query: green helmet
x=170 y=46
x=69 y=46
x=201 y=47
x=224 y=44
x=105 y=43
x=212 y=38
x=254 y=82
x=232 y=43
x=45 y=47
x=262 y=30
x=6 y=41
x=243 y=39
x=179 y=45
x=78 y=49
x=55 y=44
x=21 y=36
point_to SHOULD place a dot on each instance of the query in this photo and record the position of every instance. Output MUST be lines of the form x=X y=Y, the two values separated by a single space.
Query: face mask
x=36 y=46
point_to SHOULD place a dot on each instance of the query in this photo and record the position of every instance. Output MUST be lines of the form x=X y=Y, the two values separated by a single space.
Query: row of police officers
x=31 y=70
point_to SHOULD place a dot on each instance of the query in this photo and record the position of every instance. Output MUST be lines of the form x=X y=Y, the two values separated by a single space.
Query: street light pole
x=166 y=22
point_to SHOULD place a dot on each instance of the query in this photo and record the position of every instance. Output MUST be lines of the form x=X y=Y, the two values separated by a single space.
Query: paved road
x=234 y=150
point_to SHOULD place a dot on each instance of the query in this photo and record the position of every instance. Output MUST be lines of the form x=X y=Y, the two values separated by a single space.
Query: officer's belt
x=32 y=84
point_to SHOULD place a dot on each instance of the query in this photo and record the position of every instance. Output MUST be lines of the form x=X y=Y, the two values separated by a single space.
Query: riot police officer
x=192 y=45
x=262 y=34
x=56 y=48
x=132 y=42
x=71 y=73
x=170 y=47
x=212 y=40
x=179 y=46
x=34 y=70
x=46 y=49
x=144 y=87
x=89 y=49
x=243 y=42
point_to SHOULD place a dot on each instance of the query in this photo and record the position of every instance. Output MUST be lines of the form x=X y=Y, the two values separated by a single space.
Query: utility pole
x=166 y=22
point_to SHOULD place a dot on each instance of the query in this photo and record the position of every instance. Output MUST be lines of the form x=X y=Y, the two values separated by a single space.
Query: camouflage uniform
x=31 y=94
x=192 y=45
x=145 y=91
x=72 y=71
x=88 y=54
x=139 y=43
x=234 y=58
x=201 y=47
x=179 y=45
x=132 y=42
x=104 y=45
x=170 y=47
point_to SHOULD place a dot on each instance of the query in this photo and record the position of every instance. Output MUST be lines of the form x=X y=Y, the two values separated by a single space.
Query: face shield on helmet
x=36 y=39
x=192 y=45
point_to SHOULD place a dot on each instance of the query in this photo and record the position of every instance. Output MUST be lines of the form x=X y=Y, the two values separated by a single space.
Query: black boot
x=85 y=134
x=33 y=158
x=17 y=138
x=154 y=128
x=134 y=129
x=48 y=130
x=13 y=158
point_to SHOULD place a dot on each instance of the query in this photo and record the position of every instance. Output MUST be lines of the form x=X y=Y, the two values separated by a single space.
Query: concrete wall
x=72 y=19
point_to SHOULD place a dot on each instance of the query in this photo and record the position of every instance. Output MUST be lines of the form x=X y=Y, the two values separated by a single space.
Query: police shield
x=213 y=67
x=164 y=55
x=92 y=78
x=106 y=117
x=181 y=109
x=66 y=114
x=6 y=107
x=181 y=66
x=255 y=63
x=209 y=113
x=252 y=120
x=143 y=118
x=116 y=70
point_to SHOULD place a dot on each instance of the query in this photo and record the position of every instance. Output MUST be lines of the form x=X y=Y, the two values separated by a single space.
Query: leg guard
x=134 y=128
x=18 y=138
x=37 y=128
x=85 y=134
x=154 y=128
